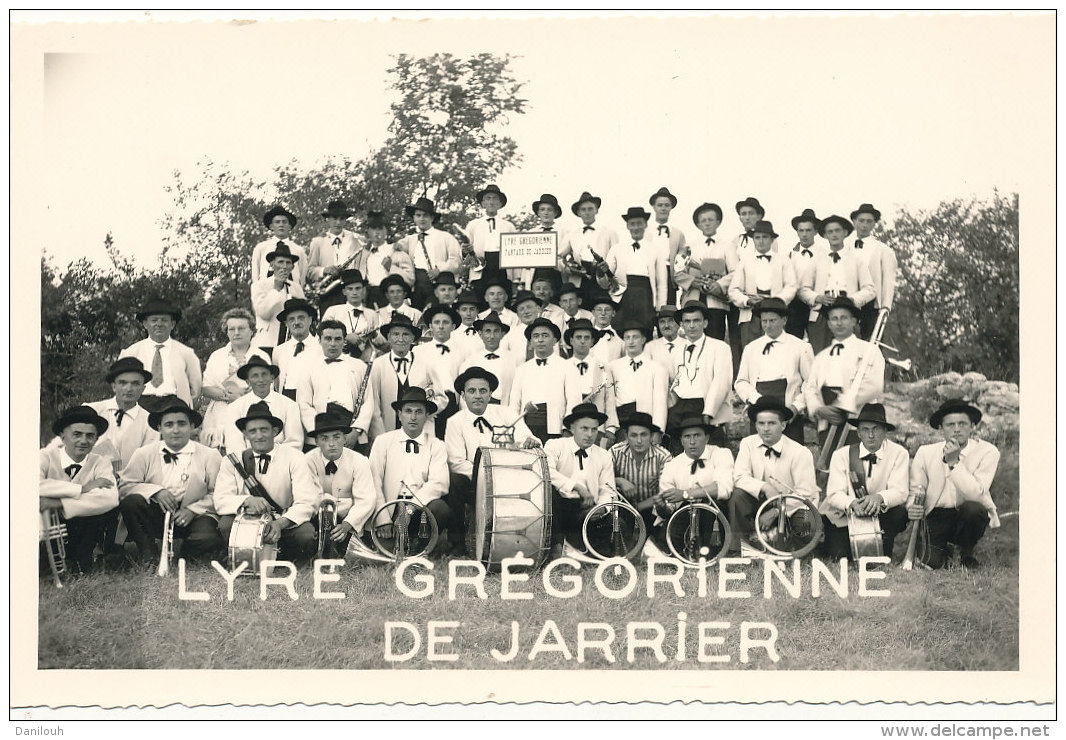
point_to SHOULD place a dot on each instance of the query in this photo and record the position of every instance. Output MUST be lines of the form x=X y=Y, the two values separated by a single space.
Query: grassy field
x=949 y=620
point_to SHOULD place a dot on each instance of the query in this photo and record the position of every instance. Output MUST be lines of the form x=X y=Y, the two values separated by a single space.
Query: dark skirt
x=635 y=306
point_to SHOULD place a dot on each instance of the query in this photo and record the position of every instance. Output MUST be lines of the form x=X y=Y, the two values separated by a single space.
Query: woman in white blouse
x=221 y=384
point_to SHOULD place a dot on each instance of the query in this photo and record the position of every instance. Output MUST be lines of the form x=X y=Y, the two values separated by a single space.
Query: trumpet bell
x=905 y=365
x=356 y=548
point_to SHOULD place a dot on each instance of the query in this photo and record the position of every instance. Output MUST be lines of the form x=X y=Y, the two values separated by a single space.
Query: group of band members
x=388 y=387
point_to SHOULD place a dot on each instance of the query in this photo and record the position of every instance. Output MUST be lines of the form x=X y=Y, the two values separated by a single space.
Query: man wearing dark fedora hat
x=384 y=259
x=659 y=349
x=448 y=352
x=638 y=384
x=582 y=474
x=775 y=365
x=545 y=283
x=484 y=232
x=638 y=463
x=495 y=293
x=468 y=306
x=299 y=317
x=410 y=462
x=569 y=299
x=593 y=383
x=951 y=483
x=670 y=239
x=640 y=267
x=703 y=269
x=761 y=273
x=343 y=474
x=881 y=261
x=260 y=377
x=527 y=308
x=582 y=241
x=867 y=478
x=750 y=212
x=489 y=357
x=545 y=387
x=397 y=293
x=398 y=370
x=609 y=345
x=174 y=367
x=335 y=250
x=77 y=483
x=287 y=479
x=769 y=464
x=470 y=429
x=360 y=322
x=701 y=376
x=808 y=246
x=177 y=475
x=445 y=291
x=837 y=273
x=269 y=295
x=431 y=249
x=280 y=222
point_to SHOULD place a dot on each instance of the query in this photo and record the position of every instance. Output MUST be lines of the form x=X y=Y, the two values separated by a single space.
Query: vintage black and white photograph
x=406 y=344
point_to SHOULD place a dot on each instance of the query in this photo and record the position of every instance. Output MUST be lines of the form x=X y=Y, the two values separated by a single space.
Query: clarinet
x=361 y=396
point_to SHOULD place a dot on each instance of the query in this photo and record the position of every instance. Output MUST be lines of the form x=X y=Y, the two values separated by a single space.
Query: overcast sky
x=799 y=111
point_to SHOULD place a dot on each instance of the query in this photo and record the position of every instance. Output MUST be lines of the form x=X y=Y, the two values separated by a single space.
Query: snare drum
x=866 y=536
x=246 y=544
x=513 y=505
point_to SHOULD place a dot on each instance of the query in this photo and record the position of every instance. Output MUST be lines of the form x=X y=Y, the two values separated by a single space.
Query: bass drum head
x=513 y=506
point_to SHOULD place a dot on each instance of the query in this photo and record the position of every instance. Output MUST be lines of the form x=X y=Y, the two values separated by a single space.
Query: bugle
x=686 y=538
x=779 y=538
x=327 y=520
x=166 y=551
x=53 y=533
x=919 y=528
x=627 y=537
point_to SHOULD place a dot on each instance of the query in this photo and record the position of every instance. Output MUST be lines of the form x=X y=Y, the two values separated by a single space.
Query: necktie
x=169 y=457
x=662 y=228
x=709 y=241
x=336 y=241
x=542 y=362
x=696 y=464
x=766 y=349
x=299 y=349
x=581 y=455
x=331 y=468
x=690 y=349
x=482 y=424
x=870 y=460
x=119 y=415
x=763 y=257
x=492 y=356
x=636 y=246
x=157 y=366
x=635 y=364
x=444 y=348
x=331 y=360
x=836 y=349
x=835 y=256
x=422 y=238
x=72 y=470
x=582 y=367
x=858 y=243
x=771 y=452
x=264 y=463
x=587 y=228
x=492 y=223
x=411 y=446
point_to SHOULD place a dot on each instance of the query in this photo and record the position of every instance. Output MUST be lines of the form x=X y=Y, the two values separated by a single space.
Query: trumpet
x=53 y=533
x=327 y=520
x=166 y=552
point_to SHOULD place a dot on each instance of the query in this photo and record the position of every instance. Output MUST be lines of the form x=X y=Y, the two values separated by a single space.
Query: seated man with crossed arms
x=286 y=478
x=950 y=485
x=867 y=478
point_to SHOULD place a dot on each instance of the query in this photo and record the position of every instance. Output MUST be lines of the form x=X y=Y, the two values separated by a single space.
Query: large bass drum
x=513 y=505
x=246 y=544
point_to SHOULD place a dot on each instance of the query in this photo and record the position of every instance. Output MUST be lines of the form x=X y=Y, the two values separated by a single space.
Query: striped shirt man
x=642 y=473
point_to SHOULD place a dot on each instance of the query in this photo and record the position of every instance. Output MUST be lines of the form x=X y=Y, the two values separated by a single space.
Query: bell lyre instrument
x=847 y=401
x=613 y=286
x=698 y=533
x=166 y=551
x=779 y=537
x=53 y=534
x=919 y=529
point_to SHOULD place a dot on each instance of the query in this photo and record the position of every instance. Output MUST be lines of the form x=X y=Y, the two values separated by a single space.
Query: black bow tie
x=264 y=463
x=411 y=446
x=636 y=246
x=545 y=228
x=771 y=452
x=858 y=243
x=607 y=332
x=696 y=464
x=664 y=227
x=870 y=460
x=836 y=349
x=588 y=228
x=582 y=367
x=444 y=348
x=749 y=234
x=492 y=356
x=119 y=415
x=355 y=311
x=581 y=455
x=336 y=241
x=690 y=349
x=169 y=457
x=709 y=241
x=72 y=470
x=835 y=256
x=470 y=330
x=806 y=252
x=482 y=424
x=331 y=467
x=331 y=360
x=299 y=349
x=401 y=363
x=635 y=364
x=542 y=362
x=763 y=257
x=669 y=346
x=766 y=349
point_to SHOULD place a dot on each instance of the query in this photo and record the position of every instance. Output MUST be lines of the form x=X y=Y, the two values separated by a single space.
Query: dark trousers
x=537 y=421
x=716 y=323
x=818 y=332
x=297 y=544
x=867 y=319
x=799 y=313
x=460 y=500
x=144 y=520
x=749 y=332
x=963 y=526
x=422 y=293
x=83 y=532
x=734 y=338
x=838 y=544
x=686 y=407
x=568 y=514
